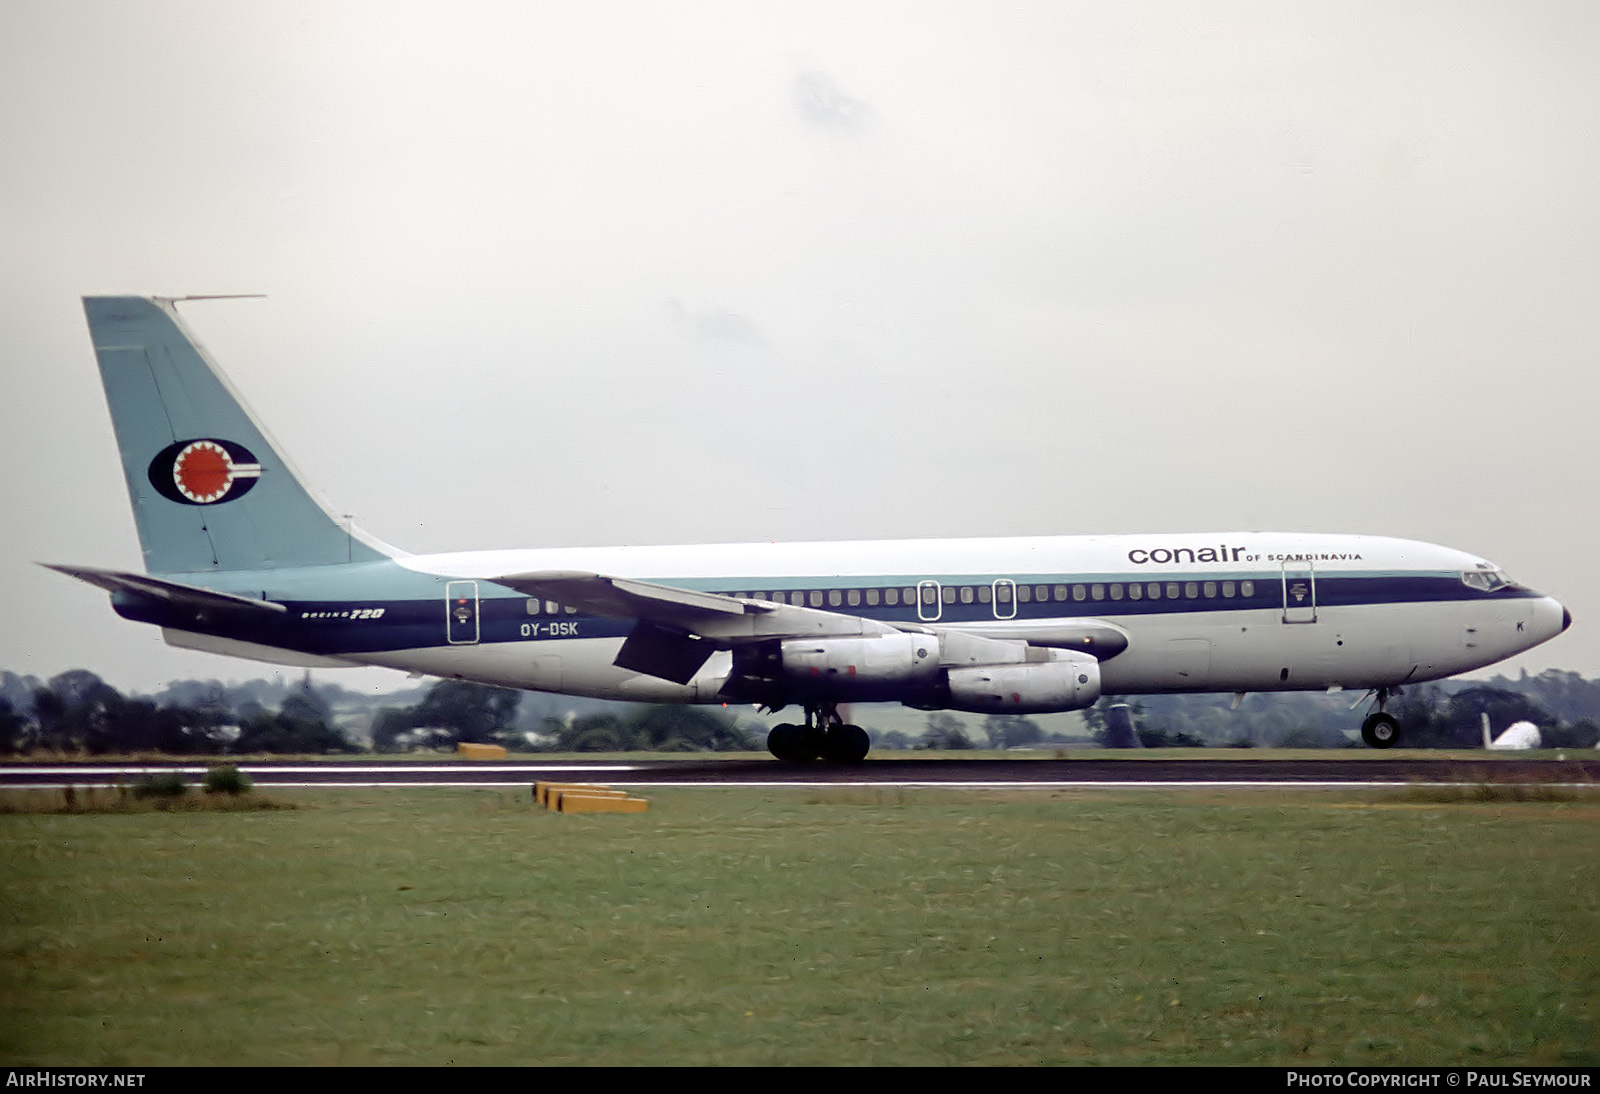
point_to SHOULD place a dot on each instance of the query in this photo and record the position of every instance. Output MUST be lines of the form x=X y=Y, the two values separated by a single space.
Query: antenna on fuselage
x=211 y=296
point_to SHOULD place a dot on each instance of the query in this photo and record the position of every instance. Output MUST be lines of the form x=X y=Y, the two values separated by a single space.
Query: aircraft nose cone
x=1566 y=618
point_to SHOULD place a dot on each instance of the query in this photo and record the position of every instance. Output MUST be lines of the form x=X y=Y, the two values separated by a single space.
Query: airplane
x=242 y=559
x=1519 y=736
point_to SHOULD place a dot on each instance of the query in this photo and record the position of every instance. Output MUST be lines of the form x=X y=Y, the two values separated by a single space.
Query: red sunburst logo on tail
x=204 y=471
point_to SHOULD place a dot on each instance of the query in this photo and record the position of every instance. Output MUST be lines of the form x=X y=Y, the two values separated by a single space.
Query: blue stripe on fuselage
x=415 y=618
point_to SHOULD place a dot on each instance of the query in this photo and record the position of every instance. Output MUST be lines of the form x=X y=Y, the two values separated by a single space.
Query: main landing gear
x=1381 y=729
x=825 y=736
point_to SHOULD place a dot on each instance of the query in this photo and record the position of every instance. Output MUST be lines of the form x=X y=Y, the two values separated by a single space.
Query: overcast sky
x=553 y=273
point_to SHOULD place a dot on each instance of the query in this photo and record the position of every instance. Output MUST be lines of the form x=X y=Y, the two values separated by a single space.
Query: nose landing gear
x=1381 y=729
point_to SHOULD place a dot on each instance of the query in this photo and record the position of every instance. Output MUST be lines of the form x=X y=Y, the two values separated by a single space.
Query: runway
x=952 y=773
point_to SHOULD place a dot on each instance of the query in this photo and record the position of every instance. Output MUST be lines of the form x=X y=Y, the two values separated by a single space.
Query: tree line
x=78 y=712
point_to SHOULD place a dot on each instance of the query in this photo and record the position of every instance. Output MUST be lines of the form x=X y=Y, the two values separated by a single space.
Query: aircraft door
x=929 y=604
x=1005 y=598
x=461 y=612
x=1299 y=593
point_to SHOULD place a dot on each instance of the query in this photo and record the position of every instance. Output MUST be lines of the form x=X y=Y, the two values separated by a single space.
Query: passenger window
x=929 y=595
x=1041 y=593
x=1079 y=592
x=1001 y=593
x=551 y=608
x=797 y=598
x=1098 y=592
x=570 y=610
x=1024 y=594
x=1155 y=590
x=1227 y=589
x=816 y=598
x=1116 y=591
x=1061 y=592
x=533 y=607
x=1211 y=590
x=1172 y=590
x=1191 y=589
x=966 y=594
x=949 y=594
x=1135 y=592
x=1247 y=588
x=891 y=597
x=853 y=597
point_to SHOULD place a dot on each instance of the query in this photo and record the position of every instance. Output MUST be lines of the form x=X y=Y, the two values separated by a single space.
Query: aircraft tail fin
x=210 y=490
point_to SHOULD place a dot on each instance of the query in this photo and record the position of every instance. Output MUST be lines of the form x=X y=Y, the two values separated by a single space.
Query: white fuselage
x=1322 y=611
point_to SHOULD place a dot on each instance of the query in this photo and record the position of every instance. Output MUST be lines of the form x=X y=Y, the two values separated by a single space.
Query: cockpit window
x=1484 y=580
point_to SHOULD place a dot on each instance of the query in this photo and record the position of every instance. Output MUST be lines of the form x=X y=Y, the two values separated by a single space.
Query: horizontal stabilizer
x=176 y=594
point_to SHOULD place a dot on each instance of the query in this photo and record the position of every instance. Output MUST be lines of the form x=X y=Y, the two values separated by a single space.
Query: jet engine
x=1069 y=682
x=858 y=667
x=929 y=671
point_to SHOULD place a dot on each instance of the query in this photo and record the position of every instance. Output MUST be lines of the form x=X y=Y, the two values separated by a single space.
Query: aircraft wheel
x=812 y=744
x=795 y=744
x=1381 y=731
x=784 y=742
x=846 y=744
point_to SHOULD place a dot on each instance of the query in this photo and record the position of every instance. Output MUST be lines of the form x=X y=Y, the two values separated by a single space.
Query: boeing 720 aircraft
x=243 y=560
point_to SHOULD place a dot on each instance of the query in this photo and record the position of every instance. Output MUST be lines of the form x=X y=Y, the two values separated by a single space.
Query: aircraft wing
x=728 y=620
x=678 y=629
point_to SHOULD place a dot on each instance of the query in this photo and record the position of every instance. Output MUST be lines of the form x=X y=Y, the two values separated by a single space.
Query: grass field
x=808 y=927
